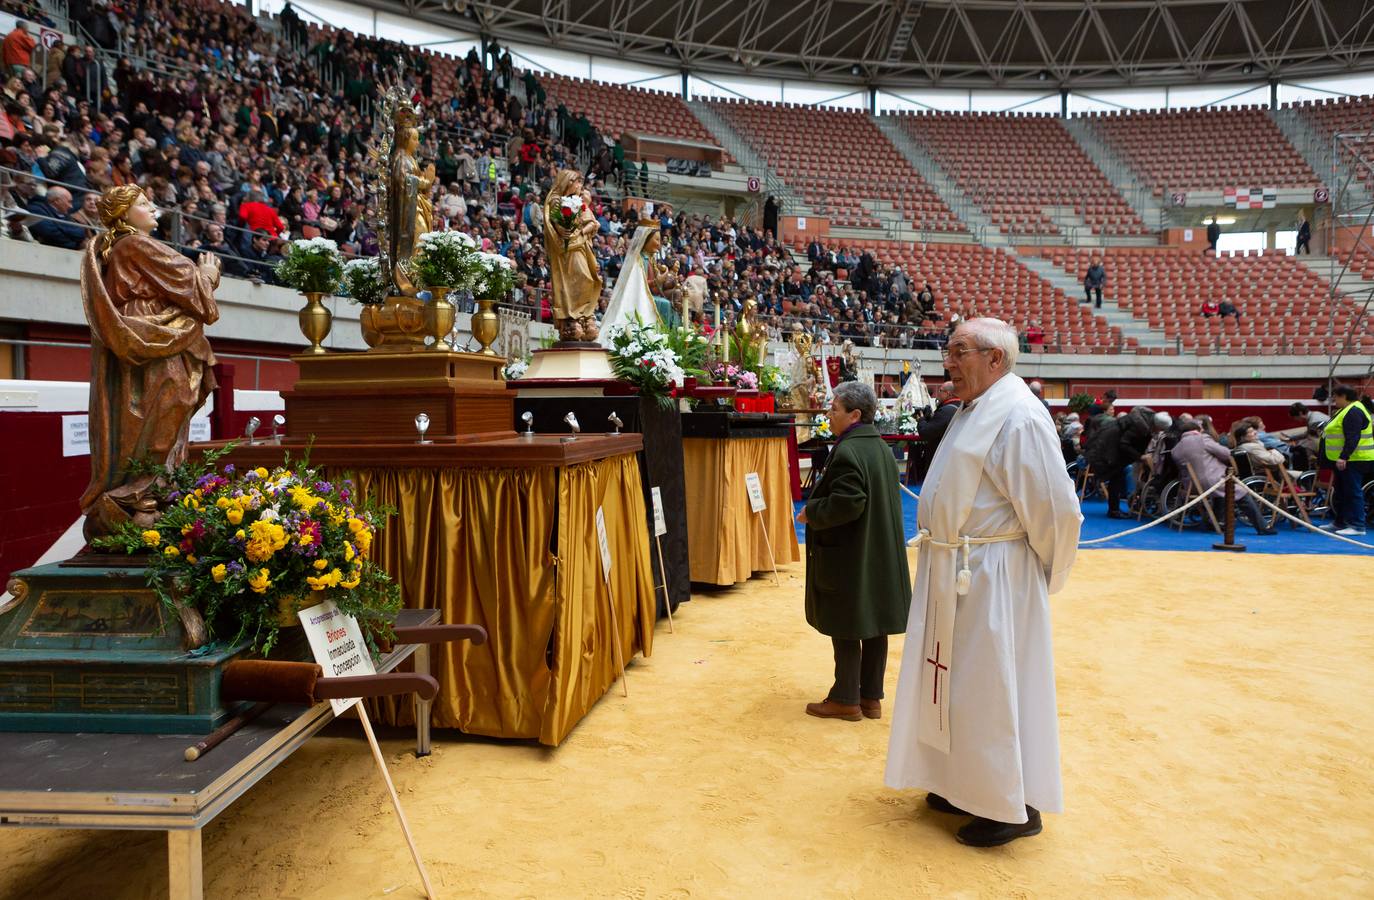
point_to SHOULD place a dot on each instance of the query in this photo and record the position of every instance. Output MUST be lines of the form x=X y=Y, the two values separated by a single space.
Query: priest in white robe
x=975 y=722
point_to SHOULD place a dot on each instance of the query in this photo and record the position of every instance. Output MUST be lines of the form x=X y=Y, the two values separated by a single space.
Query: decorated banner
x=1251 y=198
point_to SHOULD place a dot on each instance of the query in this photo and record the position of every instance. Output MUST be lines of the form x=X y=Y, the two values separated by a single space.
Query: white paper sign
x=660 y=523
x=76 y=438
x=801 y=223
x=1187 y=235
x=338 y=645
x=755 y=488
x=200 y=431
x=605 y=544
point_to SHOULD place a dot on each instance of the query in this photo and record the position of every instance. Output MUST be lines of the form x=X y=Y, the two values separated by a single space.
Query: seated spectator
x=1210 y=461
x=1210 y=308
x=258 y=263
x=51 y=223
x=1227 y=308
x=1260 y=456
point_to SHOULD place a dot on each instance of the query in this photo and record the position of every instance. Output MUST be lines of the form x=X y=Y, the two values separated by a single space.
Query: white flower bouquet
x=446 y=259
x=362 y=281
x=494 y=276
x=641 y=356
x=311 y=266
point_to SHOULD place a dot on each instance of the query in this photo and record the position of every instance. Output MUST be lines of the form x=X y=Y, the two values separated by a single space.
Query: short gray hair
x=993 y=334
x=857 y=395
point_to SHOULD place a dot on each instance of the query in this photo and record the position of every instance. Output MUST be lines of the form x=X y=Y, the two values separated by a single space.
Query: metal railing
x=219 y=356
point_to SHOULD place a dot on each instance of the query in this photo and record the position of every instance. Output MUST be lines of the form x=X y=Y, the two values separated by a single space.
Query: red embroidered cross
x=935 y=694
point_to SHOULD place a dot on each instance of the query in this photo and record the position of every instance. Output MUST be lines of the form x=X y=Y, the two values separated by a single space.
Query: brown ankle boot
x=829 y=709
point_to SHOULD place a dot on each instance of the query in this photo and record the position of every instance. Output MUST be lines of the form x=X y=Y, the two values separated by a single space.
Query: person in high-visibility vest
x=1349 y=447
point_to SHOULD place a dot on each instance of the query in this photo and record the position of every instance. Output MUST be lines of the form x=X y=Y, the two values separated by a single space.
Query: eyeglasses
x=960 y=351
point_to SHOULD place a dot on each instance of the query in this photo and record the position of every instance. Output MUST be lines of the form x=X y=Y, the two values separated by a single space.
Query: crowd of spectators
x=249 y=136
x=1136 y=453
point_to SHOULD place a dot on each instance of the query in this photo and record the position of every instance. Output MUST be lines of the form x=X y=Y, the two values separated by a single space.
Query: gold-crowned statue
x=410 y=212
x=147 y=306
x=574 y=275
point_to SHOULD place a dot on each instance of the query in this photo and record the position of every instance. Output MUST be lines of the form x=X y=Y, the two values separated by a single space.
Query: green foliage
x=1079 y=403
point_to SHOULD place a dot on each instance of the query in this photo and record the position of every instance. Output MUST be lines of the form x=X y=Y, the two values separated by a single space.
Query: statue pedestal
x=570 y=361
x=376 y=395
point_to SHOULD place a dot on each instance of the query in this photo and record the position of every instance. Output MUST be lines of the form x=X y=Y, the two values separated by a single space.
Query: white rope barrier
x=1309 y=525
x=1193 y=502
x=1182 y=509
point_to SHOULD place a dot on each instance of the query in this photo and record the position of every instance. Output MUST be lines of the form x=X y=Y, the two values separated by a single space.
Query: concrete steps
x=1346 y=192
x=1122 y=320
x=981 y=227
x=1127 y=183
x=750 y=159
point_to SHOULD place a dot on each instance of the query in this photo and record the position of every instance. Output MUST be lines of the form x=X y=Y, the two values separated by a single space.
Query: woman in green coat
x=858 y=586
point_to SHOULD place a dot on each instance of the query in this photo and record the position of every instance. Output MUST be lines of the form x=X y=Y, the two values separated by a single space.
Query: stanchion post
x=1228 y=541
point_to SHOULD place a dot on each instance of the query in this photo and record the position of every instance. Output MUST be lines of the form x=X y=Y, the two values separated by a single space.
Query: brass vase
x=439 y=318
x=397 y=325
x=486 y=326
x=315 y=319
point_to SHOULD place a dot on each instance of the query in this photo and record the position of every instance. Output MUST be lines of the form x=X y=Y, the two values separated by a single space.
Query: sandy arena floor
x=1216 y=723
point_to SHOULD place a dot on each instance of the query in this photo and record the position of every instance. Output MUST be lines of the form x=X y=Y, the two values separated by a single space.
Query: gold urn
x=398 y=324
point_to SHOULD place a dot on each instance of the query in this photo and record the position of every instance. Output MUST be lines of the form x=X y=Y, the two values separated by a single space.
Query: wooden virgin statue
x=410 y=212
x=575 y=277
x=147 y=306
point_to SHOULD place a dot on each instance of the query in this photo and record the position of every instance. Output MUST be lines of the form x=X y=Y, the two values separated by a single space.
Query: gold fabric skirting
x=515 y=551
x=724 y=540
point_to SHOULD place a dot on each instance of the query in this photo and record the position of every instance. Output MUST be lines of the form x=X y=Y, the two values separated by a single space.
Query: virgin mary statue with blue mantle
x=634 y=289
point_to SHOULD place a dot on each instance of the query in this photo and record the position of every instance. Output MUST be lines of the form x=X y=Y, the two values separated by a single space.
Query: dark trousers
x=1348 y=488
x=1088 y=295
x=1304 y=246
x=1116 y=489
x=859 y=669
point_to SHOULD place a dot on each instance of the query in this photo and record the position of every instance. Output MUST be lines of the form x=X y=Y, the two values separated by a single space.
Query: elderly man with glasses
x=975 y=721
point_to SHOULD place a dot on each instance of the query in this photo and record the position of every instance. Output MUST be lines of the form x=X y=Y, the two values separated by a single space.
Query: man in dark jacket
x=858 y=586
x=52 y=224
x=1115 y=445
x=1093 y=281
x=1213 y=235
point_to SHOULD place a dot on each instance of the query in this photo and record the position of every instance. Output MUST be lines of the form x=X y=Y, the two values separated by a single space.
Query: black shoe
x=940 y=804
x=987 y=833
x=1267 y=531
x=1117 y=514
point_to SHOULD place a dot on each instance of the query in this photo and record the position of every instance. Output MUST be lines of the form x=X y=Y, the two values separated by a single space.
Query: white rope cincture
x=1309 y=525
x=965 y=577
x=1164 y=518
x=909 y=492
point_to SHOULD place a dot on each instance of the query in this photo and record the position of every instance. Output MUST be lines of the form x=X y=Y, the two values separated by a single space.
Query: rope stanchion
x=1182 y=509
x=1308 y=525
x=1228 y=538
x=910 y=493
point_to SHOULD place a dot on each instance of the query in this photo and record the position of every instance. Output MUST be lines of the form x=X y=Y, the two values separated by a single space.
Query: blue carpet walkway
x=1096 y=524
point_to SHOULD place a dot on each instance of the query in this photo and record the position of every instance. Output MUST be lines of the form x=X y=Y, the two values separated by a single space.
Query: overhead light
x=1247 y=69
x=855 y=70
x=1221 y=220
x=668 y=48
x=1043 y=76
